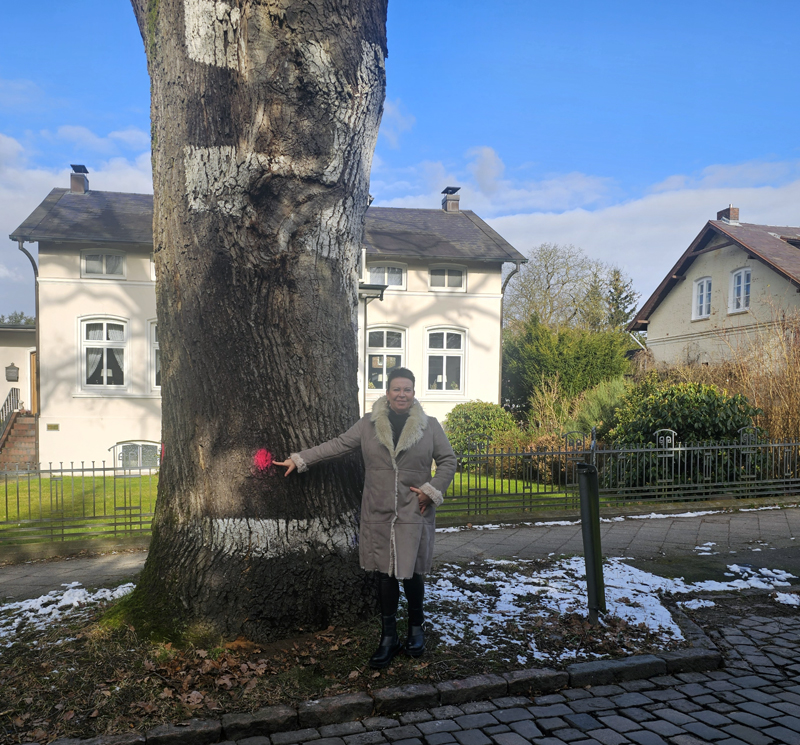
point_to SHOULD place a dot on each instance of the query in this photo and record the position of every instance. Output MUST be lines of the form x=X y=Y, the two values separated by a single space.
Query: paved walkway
x=666 y=545
x=754 y=700
x=643 y=538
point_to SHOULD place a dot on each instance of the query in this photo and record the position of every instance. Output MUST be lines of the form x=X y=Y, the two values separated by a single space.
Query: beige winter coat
x=396 y=538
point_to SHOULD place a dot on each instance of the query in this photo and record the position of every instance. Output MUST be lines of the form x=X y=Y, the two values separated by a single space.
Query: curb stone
x=372 y=708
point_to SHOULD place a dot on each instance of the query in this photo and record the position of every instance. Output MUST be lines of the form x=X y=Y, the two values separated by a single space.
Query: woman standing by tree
x=398 y=510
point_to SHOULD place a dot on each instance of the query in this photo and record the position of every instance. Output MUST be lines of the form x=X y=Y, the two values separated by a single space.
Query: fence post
x=590 y=526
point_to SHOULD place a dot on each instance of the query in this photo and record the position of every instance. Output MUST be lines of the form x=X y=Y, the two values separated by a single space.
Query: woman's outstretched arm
x=335 y=448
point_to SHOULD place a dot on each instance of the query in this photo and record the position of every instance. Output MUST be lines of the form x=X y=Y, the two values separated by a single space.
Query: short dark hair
x=400 y=372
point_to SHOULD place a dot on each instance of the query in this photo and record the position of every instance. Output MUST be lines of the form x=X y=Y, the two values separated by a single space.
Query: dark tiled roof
x=116 y=217
x=434 y=234
x=105 y=216
x=766 y=243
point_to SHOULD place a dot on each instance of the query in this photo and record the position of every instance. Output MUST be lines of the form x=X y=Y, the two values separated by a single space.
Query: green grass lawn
x=471 y=494
x=73 y=504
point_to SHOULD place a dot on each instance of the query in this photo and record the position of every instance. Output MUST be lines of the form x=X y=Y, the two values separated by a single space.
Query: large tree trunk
x=265 y=115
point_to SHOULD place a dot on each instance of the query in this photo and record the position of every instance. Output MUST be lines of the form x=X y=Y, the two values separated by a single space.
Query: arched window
x=445 y=350
x=385 y=350
x=740 y=290
x=701 y=302
x=104 y=344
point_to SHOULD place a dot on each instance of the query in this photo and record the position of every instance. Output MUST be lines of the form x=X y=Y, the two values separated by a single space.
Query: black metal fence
x=56 y=504
x=491 y=481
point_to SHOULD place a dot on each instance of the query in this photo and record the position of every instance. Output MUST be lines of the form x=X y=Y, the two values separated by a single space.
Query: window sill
x=113 y=394
x=738 y=312
x=701 y=318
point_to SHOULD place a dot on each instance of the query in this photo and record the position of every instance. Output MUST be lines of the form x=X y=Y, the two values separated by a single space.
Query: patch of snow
x=787 y=598
x=519 y=590
x=705 y=549
x=660 y=516
x=55 y=607
x=697 y=603
x=554 y=523
x=619 y=519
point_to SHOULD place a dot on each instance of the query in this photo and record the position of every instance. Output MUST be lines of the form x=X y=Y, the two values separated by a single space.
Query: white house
x=438 y=271
x=732 y=279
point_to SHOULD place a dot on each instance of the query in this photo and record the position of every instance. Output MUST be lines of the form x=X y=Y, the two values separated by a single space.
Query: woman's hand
x=424 y=499
x=288 y=464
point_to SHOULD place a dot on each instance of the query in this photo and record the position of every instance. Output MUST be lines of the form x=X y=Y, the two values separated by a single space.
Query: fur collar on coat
x=412 y=431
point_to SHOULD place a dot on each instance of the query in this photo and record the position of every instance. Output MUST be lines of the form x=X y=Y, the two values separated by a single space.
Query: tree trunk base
x=186 y=589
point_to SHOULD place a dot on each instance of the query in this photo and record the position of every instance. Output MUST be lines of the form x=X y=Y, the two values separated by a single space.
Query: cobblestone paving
x=754 y=700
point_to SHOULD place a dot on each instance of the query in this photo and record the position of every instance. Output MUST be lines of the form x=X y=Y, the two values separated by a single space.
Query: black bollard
x=590 y=525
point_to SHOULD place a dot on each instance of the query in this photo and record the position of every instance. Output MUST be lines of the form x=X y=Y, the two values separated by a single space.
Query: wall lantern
x=12 y=373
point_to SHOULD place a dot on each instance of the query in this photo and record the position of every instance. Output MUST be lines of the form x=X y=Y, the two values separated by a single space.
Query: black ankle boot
x=389 y=646
x=415 y=644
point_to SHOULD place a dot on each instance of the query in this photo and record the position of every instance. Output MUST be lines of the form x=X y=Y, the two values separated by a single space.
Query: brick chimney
x=730 y=214
x=450 y=200
x=79 y=180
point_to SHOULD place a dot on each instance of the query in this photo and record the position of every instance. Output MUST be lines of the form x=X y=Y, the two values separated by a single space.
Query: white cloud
x=19 y=94
x=484 y=189
x=646 y=236
x=395 y=121
x=130 y=138
x=10 y=151
x=23 y=186
x=737 y=175
x=486 y=168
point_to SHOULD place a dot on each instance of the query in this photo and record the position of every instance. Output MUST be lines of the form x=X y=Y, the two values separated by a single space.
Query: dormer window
x=701 y=306
x=447 y=279
x=740 y=291
x=103 y=264
x=392 y=275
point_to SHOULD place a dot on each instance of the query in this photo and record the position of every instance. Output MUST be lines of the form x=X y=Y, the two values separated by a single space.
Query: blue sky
x=618 y=126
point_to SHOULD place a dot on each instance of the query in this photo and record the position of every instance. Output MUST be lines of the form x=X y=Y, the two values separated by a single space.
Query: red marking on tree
x=262 y=459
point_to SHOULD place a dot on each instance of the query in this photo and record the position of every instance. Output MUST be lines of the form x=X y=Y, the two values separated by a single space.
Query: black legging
x=389 y=596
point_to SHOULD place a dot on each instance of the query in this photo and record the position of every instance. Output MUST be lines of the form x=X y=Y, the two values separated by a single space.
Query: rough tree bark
x=265 y=115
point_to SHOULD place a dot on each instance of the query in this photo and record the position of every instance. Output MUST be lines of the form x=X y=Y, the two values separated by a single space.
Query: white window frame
x=84 y=343
x=704 y=285
x=740 y=304
x=153 y=347
x=401 y=351
x=105 y=253
x=462 y=354
x=395 y=265
x=448 y=268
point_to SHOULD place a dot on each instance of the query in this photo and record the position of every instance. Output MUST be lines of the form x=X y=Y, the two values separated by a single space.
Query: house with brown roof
x=430 y=299
x=734 y=279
